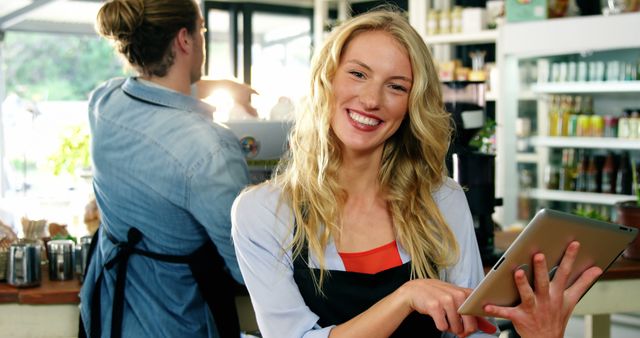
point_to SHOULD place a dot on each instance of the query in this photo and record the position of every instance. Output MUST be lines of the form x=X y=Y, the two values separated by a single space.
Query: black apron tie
x=207 y=266
x=122 y=258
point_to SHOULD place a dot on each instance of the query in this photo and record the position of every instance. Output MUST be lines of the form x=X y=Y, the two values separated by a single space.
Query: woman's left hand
x=545 y=311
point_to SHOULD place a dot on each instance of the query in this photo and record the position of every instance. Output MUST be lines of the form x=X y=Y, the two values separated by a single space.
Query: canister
x=61 y=259
x=24 y=264
x=82 y=254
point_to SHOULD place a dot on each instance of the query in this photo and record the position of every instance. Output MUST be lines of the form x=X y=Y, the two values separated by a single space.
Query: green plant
x=73 y=152
x=590 y=213
x=484 y=138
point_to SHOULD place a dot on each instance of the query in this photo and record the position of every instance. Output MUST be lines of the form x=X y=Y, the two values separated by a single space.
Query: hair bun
x=119 y=19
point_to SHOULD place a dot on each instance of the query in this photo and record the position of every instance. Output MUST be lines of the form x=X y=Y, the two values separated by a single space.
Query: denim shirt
x=162 y=165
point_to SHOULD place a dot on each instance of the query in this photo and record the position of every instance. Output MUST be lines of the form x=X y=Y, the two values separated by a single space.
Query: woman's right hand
x=440 y=301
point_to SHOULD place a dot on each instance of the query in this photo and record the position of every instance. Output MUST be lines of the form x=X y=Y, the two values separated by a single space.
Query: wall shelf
x=525 y=41
x=586 y=142
x=587 y=87
x=485 y=36
x=527 y=158
x=577 y=196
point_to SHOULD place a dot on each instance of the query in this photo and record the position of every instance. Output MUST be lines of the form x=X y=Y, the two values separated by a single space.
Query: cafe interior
x=545 y=100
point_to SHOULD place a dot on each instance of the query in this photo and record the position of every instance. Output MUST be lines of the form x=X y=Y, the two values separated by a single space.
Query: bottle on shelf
x=584 y=119
x=587 y=107
x=623 y=124
x=456 y=19
x=599 y=160
x=524 y=201
x=554 y=115
x=566 y=111
x=568 y=170
x=576 y=112
x=634 y=124
x=592 y=175
x=582 y=176
x=433 y=22
x=552 y=173
x=609 y=174
x=610 y=126
x=624 y=177
x=445 y=21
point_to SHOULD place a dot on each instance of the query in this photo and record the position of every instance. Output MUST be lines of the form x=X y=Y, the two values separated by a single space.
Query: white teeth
x=363 y=119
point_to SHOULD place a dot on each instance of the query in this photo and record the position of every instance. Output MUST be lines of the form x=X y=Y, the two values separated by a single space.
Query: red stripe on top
x=372 y=261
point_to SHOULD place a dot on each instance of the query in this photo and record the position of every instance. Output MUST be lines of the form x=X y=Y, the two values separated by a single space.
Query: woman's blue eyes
x=361 y=75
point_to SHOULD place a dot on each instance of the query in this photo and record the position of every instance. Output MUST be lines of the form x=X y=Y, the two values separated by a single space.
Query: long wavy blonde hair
x=412 y=165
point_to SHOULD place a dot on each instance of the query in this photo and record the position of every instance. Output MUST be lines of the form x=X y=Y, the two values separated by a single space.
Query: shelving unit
x=442 y=46
x=485 y=36
x=578 y=196
x=587 y=87
x=549 y=38
x=585 y=142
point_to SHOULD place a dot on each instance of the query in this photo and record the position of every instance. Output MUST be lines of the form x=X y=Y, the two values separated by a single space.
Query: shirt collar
x=166 y=97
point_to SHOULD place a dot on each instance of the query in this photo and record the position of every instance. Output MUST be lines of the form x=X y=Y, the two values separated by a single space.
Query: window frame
x=247 y=9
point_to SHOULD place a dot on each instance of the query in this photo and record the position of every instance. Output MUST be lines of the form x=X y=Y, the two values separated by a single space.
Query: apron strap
x=207 y=266
x=122 y=258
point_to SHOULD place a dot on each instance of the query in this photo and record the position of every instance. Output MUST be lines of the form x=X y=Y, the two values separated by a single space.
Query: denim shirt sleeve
x=212 y=188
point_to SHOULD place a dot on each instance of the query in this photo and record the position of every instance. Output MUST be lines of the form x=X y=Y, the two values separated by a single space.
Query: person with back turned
x=165 y=176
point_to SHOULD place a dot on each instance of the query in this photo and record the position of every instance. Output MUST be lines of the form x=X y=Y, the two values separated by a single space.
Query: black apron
x=347 y=294
x=207 y=266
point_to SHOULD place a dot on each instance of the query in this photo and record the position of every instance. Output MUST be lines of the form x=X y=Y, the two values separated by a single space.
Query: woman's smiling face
x=371 y=92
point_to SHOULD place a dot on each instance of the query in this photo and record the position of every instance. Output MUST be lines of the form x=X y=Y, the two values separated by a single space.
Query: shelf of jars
x=484 y=36
x=576 y=196
x=613 y=143
x=587 y=87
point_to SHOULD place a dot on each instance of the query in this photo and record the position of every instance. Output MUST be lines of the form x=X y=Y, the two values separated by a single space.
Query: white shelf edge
x=485 y=36
x=491 y=96
x=587 y=87
x=586 y=142
x=527 y=95
x=527 y=158
x=558 y=36
x=578 y=196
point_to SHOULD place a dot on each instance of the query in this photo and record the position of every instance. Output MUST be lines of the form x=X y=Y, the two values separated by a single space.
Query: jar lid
x=58 y=245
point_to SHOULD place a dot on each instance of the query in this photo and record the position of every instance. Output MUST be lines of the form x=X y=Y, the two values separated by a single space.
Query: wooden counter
x=611 y=294
x=49 y=292
x=66 y=292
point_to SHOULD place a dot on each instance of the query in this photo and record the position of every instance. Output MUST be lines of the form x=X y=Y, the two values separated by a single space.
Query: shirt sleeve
x=212 y=188
x=260 y=227
x=468 y=271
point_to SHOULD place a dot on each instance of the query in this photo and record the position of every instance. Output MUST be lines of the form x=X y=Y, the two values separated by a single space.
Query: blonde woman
x=360 y=233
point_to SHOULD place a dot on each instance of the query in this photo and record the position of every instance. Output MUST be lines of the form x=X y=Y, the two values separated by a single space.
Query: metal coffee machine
x=473 y=170
x=263 y=144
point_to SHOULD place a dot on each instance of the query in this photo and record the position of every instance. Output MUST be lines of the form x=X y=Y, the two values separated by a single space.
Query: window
x=267 y=46
x=44 y=132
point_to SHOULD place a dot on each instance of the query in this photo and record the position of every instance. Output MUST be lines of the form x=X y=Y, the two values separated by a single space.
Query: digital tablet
x=549 y=232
